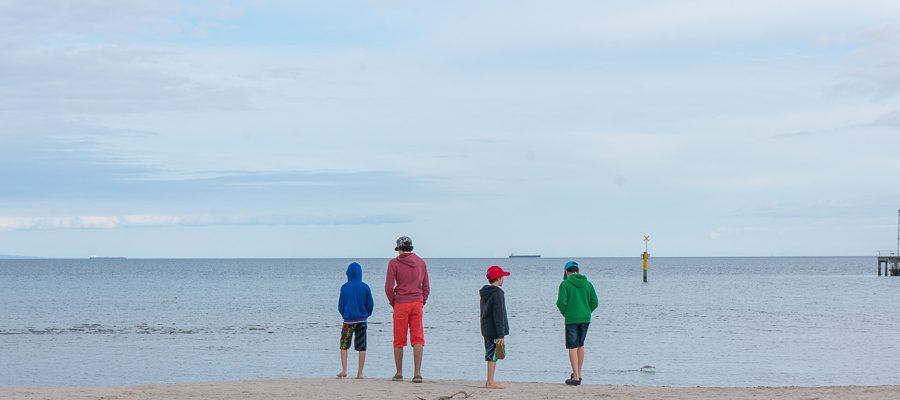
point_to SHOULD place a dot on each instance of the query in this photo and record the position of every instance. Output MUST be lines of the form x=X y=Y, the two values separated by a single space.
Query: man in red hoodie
x=406 y=287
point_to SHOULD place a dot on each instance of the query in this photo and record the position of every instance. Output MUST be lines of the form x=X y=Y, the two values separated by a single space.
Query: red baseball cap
x=495 y=272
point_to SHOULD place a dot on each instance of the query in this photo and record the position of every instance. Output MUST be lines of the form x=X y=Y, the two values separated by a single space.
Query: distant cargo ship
x=514 y=255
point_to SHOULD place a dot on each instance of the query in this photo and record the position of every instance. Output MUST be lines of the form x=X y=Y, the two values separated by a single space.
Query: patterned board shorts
x=347 y=333
x=490 y=349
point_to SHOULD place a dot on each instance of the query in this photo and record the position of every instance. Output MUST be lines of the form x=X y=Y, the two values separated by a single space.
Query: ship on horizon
x=514 y=255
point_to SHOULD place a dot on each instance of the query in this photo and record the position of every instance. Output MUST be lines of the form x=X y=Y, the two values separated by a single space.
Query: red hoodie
x=409 y=273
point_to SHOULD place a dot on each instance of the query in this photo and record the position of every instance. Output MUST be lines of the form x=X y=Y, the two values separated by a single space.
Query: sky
x=567 y=128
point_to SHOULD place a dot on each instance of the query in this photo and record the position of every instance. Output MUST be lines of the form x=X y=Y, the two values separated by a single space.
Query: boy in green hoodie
x=576 y=301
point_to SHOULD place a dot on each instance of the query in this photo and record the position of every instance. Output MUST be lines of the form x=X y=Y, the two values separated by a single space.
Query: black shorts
x=575 y=335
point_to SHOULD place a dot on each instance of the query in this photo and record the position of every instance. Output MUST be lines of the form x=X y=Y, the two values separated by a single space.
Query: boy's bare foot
x=493 y=385
x=341 y=375
x=359 y=377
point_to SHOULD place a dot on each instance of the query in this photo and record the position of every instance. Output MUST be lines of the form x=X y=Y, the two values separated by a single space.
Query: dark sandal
x=397 y=378
x=417 y=379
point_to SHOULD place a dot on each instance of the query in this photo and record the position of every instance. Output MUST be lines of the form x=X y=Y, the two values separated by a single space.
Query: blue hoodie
x=356 y=303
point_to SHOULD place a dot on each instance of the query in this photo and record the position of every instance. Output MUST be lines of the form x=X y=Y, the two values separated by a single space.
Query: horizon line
x=119 y=258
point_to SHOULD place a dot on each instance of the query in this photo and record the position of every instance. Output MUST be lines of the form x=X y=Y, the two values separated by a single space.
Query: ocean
x=766 y=321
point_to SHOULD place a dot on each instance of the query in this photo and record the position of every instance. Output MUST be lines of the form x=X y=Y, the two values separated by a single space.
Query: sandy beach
x=385 y=389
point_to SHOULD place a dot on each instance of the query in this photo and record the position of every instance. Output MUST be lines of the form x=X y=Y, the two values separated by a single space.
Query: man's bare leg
x=398 y=361
x=417 y=359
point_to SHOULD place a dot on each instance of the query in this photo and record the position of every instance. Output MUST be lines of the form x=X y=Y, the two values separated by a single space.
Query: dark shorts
x=490 y=349
x=348 y=331
x=575 y=334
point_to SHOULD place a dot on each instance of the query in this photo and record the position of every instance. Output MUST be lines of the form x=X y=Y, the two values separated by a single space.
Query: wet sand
x=385 y=389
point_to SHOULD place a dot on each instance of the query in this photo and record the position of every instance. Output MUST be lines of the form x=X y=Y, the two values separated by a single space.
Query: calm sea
x=700 y=321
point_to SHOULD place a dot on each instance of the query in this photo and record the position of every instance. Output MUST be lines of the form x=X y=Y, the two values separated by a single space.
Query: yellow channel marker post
x=646 y=255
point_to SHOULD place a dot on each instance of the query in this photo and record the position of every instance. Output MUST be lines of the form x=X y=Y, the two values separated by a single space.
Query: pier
x=891 y=261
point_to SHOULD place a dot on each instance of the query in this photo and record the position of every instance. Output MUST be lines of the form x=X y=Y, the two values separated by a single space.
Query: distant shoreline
x=380 y=388
x=12 y=257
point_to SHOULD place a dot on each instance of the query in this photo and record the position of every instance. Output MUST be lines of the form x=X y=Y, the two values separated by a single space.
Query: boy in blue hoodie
x=355 y=305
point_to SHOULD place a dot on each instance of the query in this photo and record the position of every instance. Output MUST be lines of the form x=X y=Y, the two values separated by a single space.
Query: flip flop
x=397 y=378
x=417 y=379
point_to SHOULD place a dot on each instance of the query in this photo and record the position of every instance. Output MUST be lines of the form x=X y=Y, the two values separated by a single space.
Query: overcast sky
x=565 y=128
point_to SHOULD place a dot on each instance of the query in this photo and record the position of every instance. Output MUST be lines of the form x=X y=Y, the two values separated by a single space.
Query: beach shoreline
x=380 y=388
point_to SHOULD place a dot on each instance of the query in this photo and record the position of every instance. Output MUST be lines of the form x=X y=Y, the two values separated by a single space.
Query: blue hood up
x=354 y=272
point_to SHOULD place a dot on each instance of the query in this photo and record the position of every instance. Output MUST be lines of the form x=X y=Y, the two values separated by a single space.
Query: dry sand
x=385 y=389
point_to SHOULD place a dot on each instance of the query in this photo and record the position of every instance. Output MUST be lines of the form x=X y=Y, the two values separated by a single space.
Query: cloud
x=67 y=160
x=469 y=115
x=105 y=57
x=627 y=148
x=24 y=20
x=823 y=210
x=877 y=64
x=637 y=23
x=793 y=135
x=104 y=79
x=47 y=157
x=725 y=232
x=886 y=120
x=139 y=221
x=889 y=120
x=85 y=222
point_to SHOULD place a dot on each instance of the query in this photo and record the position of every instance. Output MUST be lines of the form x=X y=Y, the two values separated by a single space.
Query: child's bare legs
x=490 y=384
x=576 y=363
x=362 y=362
x=343 y=373
x=580 y=360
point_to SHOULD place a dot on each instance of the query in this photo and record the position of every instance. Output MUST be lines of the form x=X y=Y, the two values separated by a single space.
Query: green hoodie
x=577 y=299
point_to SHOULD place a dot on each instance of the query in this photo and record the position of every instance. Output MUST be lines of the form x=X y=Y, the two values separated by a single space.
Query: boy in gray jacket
x=494 y=323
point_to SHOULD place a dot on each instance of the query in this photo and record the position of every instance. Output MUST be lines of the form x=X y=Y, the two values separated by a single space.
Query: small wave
x=139 y=329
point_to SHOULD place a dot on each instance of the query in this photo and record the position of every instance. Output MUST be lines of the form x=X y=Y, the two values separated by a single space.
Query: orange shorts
x=408 y=316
